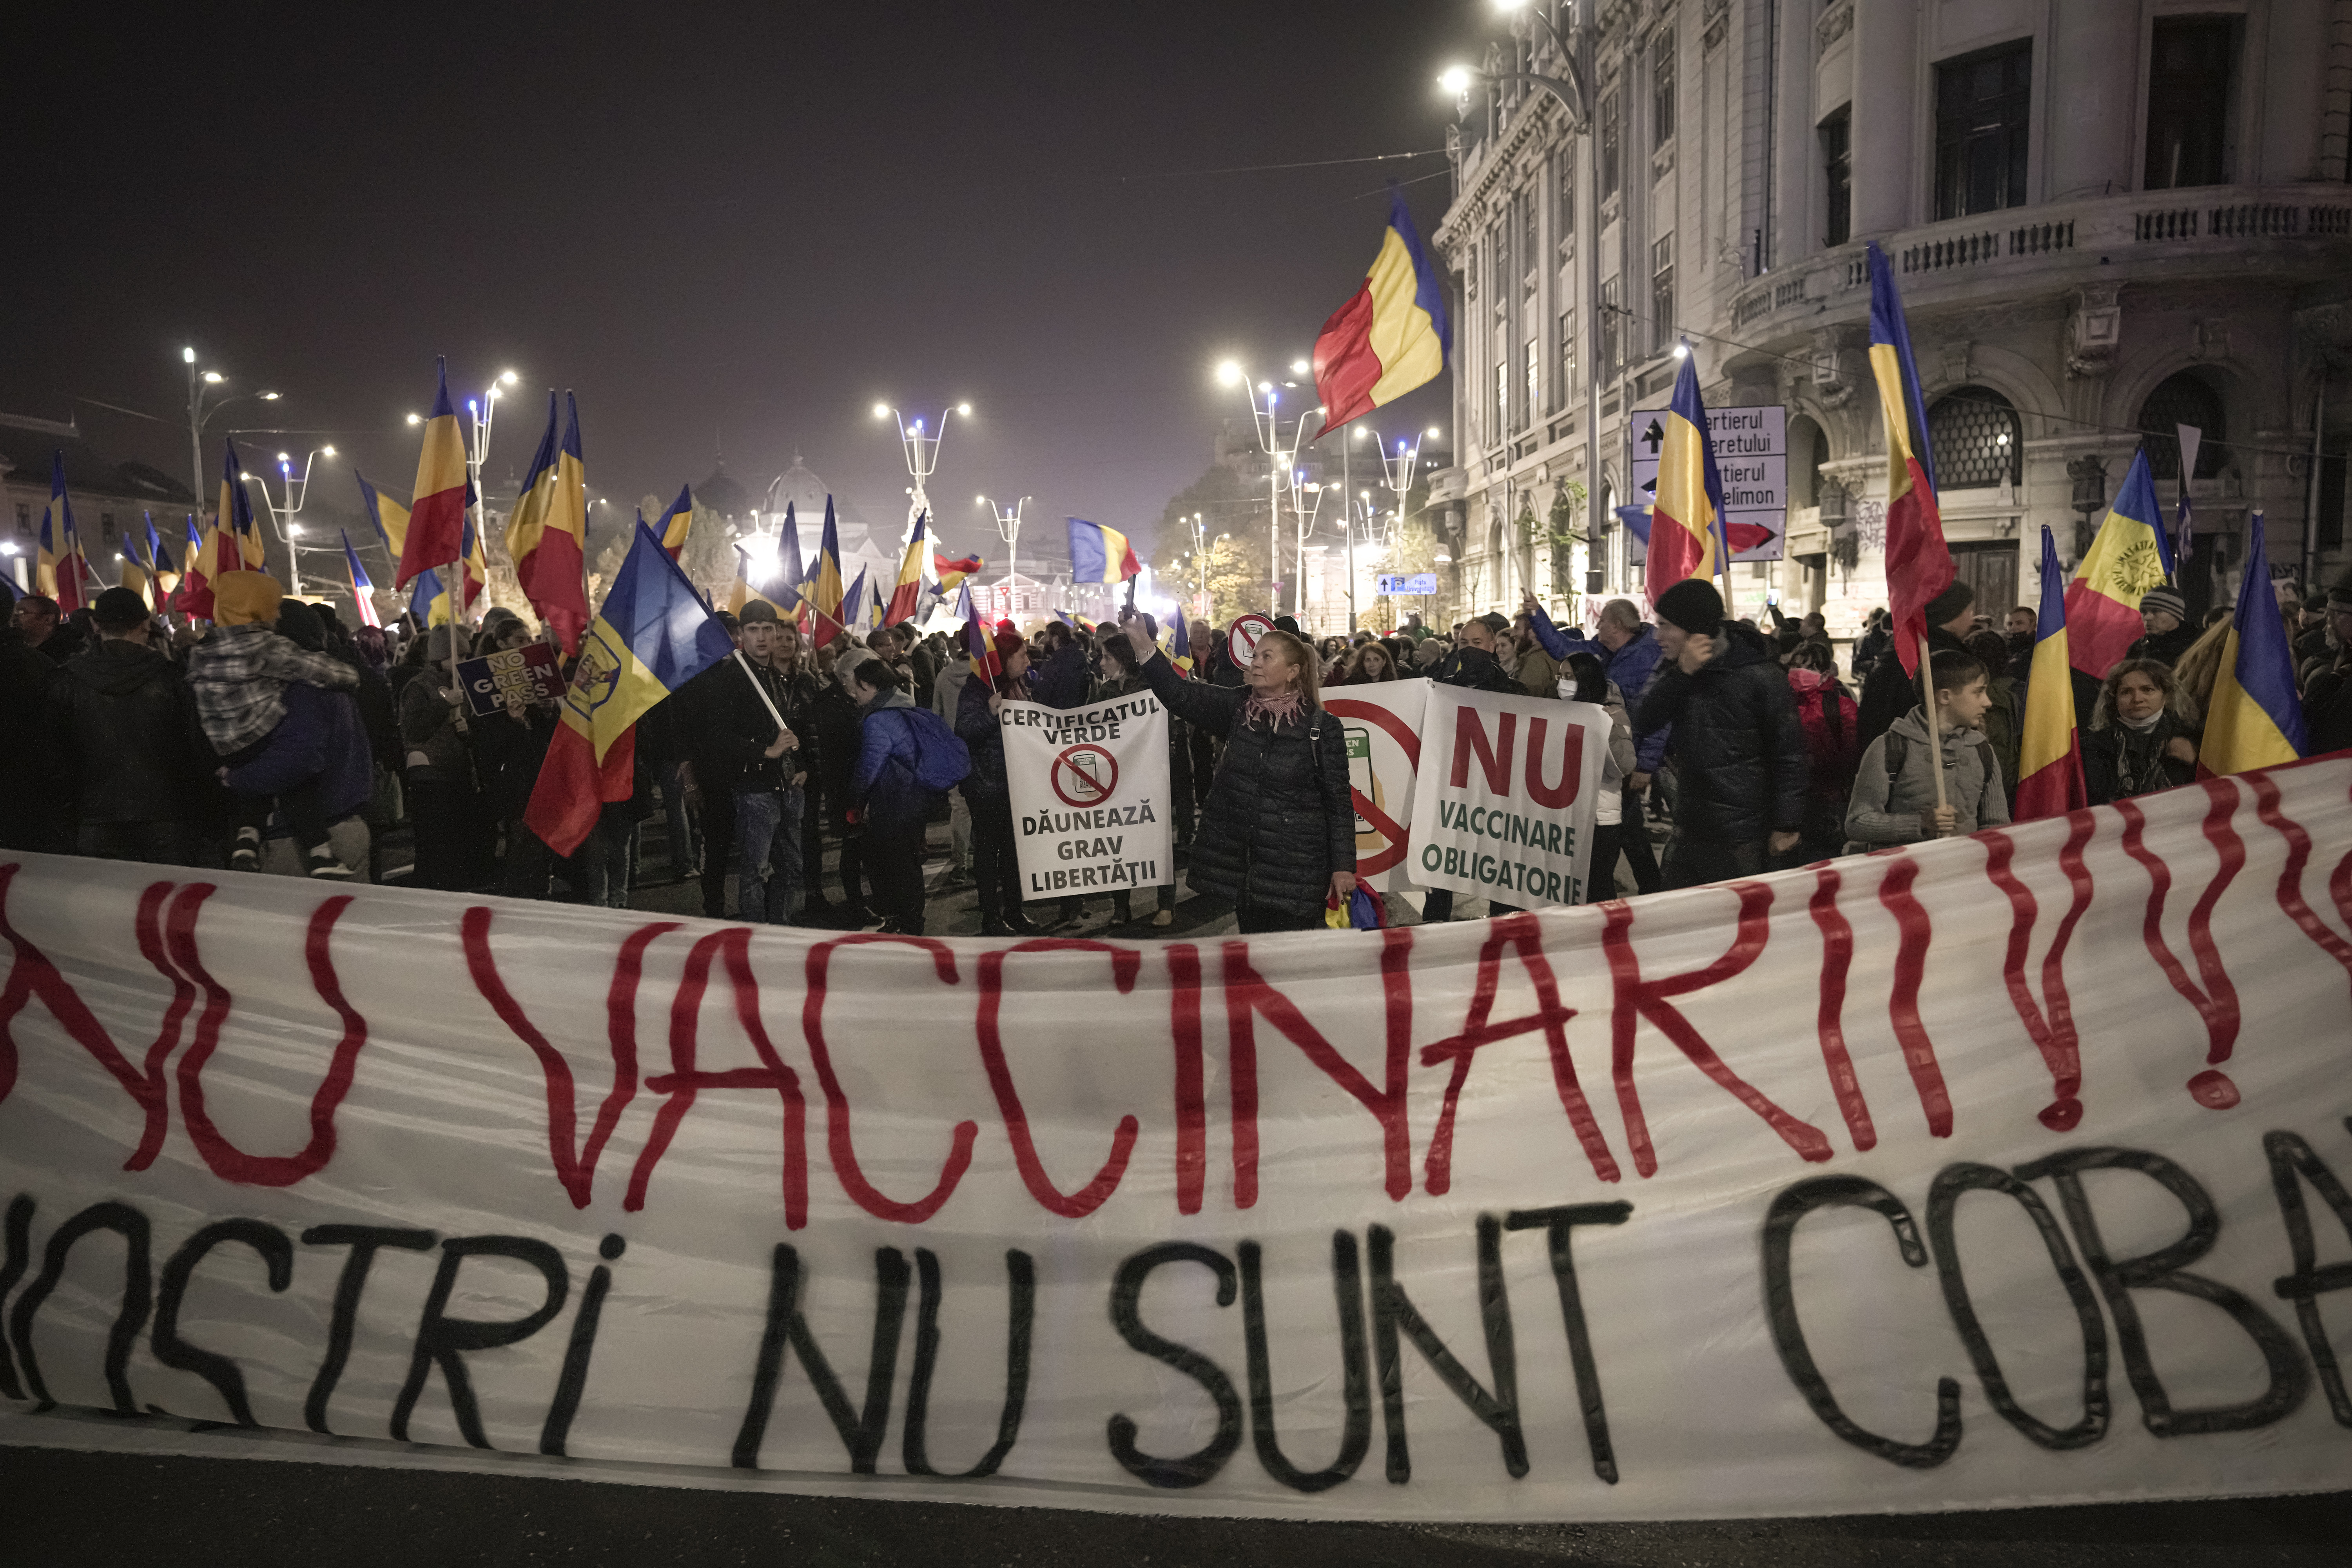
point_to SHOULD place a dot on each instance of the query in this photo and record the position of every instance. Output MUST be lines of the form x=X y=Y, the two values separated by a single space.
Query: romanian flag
x=444 y=494
x=233 y=526
x=61 y=567
x=1918 y=566
x=2050 y=750
x=675 y=523
x=428 y=602
x=2130 y=555
x=1100 y=554
x=548 y=534
x=2254 y=719
x=477 y=565
x=906 y=594
x=194 y=597
x=985 y=665
x=1391 y=336
x=362 y=591
x=824 y=591
x=652 y=636
x=166 y=570
x=1687 y=520
x=1179 y=646
x=136 y=575
x=755 y=583
x=856 y=613
x=386 y=516
x=953 y=572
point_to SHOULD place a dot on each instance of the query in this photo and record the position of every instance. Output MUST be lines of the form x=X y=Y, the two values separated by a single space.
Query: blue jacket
x=321 y=736
x=1633 y=667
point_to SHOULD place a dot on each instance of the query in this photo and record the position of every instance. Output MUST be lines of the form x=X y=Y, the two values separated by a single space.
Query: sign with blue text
x=1419 y=582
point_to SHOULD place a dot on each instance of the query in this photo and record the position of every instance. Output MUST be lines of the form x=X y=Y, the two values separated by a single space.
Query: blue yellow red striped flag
x=677 y=523
x=1391 y=336
x=1100 y=554
x=61 y=568
x=444 y=494
x=1918 y=563
x=362 y=590
x=2254 y=719
x=1687 y=520
x=547 y=533
x=2050 y=748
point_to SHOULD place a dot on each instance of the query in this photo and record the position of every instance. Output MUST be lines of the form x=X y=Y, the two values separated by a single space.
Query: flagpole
x=1935 y=721
x=767 y=701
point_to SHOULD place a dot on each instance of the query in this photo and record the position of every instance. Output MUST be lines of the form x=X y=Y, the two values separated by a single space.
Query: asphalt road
x=127 y=1511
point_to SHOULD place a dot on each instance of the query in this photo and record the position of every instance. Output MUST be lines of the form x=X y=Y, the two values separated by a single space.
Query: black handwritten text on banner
x=2009 y=1168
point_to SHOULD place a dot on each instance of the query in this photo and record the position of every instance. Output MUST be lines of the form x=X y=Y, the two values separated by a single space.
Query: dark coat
x=839 y=737
x=737 y=727
x=322 y=738
x=29 y=818
x=1887 y=693
x=2118 y=762
x=2327 y=712
x=2164 y=647
x=1474 y=669
x=977 y=728
x=1738 y=749
x=1278 y=821
x=128 y=740
x=1061 y=680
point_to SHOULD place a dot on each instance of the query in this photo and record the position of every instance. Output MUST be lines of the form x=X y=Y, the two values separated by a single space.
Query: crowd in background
x=279 y=738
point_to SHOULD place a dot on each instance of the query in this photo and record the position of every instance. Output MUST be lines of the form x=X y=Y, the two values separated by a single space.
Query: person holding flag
x=652 y=635
x=547 y=534
x=362 y=590
x=2050 y=750
x=2254 y=719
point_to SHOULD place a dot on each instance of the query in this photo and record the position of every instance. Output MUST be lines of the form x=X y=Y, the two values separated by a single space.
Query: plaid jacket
x=239 y=675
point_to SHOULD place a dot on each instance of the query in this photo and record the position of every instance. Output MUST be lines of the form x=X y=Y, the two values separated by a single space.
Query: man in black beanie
x=1738 y=749
x=1887 y=693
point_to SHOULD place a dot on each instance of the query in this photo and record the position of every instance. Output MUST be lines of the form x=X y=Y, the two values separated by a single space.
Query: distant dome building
x=805 y=494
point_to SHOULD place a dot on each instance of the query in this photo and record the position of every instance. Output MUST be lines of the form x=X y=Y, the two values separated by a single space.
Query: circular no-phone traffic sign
x=1248 y=631
x=1083 y=776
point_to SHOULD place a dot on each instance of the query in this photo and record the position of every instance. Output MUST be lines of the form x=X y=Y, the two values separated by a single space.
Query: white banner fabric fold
x=2003 y=1170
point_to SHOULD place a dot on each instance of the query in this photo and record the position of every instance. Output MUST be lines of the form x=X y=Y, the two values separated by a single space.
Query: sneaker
x=1021 y=925
x=868 y=921
x=322 y=864
x=996 y=928
x=246 y=856
x=1164 y=918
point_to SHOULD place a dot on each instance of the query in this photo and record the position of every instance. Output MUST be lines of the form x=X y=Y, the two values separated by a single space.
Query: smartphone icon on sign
x=1359 y=768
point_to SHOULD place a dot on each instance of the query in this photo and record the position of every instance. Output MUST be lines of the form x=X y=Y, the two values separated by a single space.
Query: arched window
x=1977 y=440
x=1808 y=450
x=2184 y=397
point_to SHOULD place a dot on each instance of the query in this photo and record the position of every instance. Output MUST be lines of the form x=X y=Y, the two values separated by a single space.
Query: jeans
x=157 y=842
x=768 y=843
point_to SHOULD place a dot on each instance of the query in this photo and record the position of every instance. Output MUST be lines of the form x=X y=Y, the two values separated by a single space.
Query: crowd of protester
x=277 y=738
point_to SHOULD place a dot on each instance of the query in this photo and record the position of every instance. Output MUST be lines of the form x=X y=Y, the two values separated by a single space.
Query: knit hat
x=299 y=624
x=119 y=610
x=1694 y=606
x=1494 y=621
x=1947 y=605
x=2167 y=600
x=245 y=598
x=2340 y=590
x=1007 y=643
x=436 y=644
x=758 y=613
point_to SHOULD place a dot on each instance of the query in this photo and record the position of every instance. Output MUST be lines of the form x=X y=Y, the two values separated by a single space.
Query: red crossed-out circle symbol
x=1084 y=776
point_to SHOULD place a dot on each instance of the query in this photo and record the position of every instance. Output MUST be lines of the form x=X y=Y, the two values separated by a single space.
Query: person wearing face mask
x=2143 y=735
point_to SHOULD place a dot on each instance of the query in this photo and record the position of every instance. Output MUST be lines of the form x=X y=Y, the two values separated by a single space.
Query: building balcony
x=2292 y=233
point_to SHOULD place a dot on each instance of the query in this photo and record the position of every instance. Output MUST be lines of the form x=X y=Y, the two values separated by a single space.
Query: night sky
x=725 y=228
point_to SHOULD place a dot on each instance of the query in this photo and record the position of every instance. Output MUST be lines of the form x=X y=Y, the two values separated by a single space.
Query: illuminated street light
x=922 y=452
x=1266 y=421
x=1008 y=528
x=199 y=383
x=294 y=489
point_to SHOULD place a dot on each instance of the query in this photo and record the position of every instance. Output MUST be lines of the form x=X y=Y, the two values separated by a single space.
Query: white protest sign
x=1983 y=1172
x=1383 y=722
x=1507 y=791
x=1090 y=794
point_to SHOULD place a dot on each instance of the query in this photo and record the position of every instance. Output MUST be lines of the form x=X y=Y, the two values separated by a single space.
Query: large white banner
x=1383 y=723
x=2001 y=1170
x=1508 y=792
x=1090 y=796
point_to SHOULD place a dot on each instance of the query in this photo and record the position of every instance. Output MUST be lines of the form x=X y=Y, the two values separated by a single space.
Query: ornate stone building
x=2107 y=217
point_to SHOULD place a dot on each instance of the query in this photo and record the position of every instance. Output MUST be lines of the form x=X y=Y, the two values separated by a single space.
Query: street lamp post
x=1199 y=525
x=922 y=449
x=484 y=410
x=1267 y=424
x=294 y=489
x=1008 y=529
x=199 y=380
x=1302 y=523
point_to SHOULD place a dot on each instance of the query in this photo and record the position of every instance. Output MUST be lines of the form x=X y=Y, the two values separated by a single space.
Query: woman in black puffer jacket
x=1277 y=835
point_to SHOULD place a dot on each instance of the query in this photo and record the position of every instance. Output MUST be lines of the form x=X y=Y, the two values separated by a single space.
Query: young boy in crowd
x=239 y=675
x=1893 y=799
